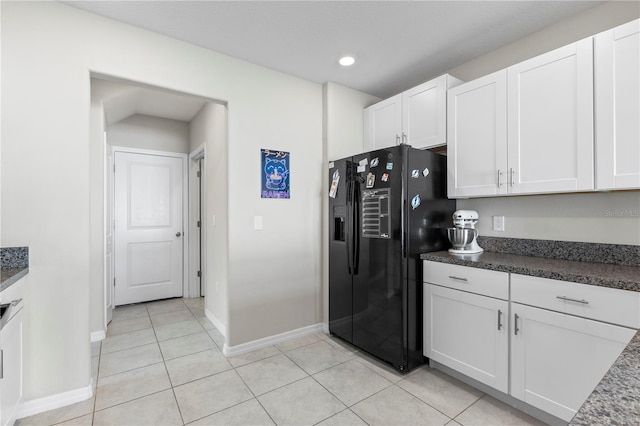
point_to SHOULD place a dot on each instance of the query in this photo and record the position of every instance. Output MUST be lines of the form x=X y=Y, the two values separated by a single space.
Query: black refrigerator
x=385 y=208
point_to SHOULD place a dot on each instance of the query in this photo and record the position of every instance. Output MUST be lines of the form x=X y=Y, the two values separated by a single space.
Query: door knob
x=178 y=234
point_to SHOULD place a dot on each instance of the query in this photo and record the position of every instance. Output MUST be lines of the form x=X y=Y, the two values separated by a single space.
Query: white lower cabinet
x=557 y=359
x=545 y=342
x=469 y=333
x=11 y=340
x=11 y=377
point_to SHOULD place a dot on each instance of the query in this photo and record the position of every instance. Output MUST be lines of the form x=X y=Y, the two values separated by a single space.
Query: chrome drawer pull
x=568 y=299
x=515 y=321
x=457 y=278
x=499 y=319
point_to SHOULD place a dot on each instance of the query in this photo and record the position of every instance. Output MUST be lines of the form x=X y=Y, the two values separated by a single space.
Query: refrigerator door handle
x=349 y=225
x=356 y=225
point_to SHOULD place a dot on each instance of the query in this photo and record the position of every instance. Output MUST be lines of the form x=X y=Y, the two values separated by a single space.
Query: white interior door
x=148 y=227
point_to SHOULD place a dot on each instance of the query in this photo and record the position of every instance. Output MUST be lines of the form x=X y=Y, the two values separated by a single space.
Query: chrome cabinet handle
x=499 y=320
x=499 y=178
x=397 y=140
x=511 y=176
x=568 y=299
x=516 y=329
x=453 y=277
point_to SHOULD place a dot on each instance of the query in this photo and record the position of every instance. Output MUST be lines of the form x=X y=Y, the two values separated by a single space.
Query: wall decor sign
x=275 y=173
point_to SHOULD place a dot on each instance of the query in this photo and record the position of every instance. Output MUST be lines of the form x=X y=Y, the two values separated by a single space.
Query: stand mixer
x=464 y=234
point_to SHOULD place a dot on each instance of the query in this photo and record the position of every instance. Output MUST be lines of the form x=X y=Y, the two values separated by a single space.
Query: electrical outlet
x=498 y=223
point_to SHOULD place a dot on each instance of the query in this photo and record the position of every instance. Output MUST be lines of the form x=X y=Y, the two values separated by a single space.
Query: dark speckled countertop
x=14 y=264
x=601 y=274
x=616 y=399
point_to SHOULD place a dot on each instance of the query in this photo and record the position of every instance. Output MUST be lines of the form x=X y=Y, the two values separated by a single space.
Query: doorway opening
x=150 y=121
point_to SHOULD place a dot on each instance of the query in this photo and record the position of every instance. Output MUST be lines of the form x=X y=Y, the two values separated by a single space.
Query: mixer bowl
x=461 y=237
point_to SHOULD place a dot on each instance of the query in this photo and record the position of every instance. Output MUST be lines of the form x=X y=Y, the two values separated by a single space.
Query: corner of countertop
x=14 y=264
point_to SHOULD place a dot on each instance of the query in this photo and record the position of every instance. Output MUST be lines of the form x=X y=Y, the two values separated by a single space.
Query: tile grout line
x=173 y=390
x=95 y=396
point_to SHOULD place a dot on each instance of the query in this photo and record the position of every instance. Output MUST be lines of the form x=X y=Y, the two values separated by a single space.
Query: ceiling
x=398 y=44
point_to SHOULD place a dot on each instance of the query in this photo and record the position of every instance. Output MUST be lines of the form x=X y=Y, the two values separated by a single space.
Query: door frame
x=109 y=270
x=185 y=205
x=196 y=155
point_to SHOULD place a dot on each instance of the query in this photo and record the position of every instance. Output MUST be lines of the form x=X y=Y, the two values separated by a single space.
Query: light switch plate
x=257 y=223
x=498 y=223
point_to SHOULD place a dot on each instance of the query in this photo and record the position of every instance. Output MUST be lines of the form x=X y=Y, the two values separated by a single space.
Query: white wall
x=344 y=120
x=209 y=127
x=273 y=274
x=155 y=133
x=609 y=217
x=587 y=217
x=97 y=128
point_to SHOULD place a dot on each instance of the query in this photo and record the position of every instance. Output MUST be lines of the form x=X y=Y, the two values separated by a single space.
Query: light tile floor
x=161 y=364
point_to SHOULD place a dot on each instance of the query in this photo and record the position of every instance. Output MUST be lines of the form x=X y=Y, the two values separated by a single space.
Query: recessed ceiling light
x=347 y=61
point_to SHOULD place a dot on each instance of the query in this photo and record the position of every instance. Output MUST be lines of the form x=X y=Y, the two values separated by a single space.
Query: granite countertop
x=14 y=264
x=616 y=399
x=593 y=273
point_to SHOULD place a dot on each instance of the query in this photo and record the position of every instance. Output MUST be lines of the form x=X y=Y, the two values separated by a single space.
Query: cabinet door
x=557 y=359
x=11 y=382
x=550 y=121
x=468 y=333
x=424 y=112
x=477 y=137
x=617 y=107
x=384 y=122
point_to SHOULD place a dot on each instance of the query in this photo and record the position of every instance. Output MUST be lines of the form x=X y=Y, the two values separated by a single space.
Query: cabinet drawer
x=474 y=280
x=615 y=306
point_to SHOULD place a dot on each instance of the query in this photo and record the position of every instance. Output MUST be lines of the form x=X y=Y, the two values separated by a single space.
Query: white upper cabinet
x=550 y=121
x=527 y=129
x=617 y=113
x=416 y=117
x=477 y=137
x=383 y=124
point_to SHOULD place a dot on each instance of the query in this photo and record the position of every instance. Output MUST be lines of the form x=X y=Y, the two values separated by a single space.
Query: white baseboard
x=36 y=406
x=325 y=328
x=216 y=322
x=271 y=340
x=97 y=336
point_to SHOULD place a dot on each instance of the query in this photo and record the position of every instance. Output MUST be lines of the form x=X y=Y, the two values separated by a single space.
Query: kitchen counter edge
x=11 y=276
x=591 y=273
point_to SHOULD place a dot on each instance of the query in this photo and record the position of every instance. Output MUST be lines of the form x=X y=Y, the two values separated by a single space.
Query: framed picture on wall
x=275 y=175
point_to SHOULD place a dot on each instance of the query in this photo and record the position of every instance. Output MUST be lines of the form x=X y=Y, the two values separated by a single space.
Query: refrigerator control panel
x=376 y=220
